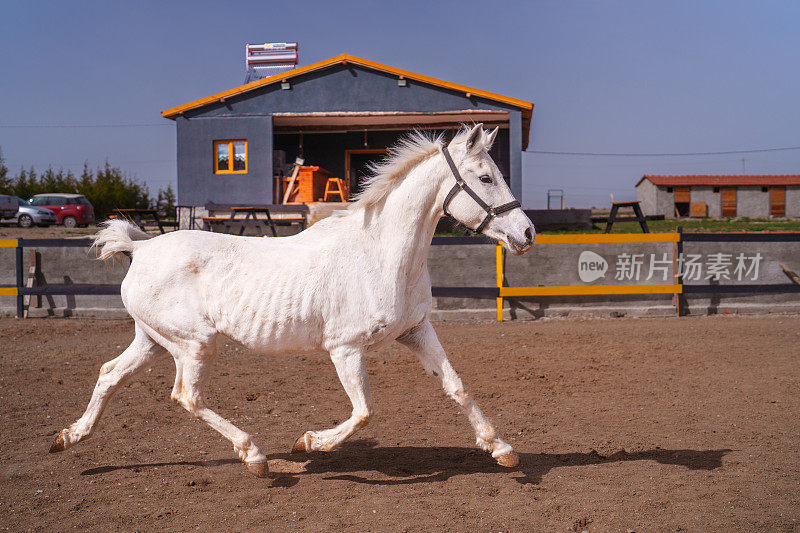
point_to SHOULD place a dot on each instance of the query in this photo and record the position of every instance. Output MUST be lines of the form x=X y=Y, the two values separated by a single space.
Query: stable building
x=716 y=196
x=255 y=143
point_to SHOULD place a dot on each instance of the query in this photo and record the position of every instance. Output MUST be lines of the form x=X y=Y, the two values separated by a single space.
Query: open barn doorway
x=357 y=164
x=683 y=201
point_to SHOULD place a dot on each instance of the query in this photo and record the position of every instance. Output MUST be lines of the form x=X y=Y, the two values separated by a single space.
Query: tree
x=107 y=188
x=25 y=184
x=5 y=181
x=110 y=189
x=166 y=202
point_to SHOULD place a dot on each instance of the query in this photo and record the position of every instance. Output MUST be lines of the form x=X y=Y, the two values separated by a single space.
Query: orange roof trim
x=723 y=180
x=527 y=107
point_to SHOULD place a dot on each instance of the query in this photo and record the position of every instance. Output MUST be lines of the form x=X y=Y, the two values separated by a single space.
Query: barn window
x=230 y=157
x=764 y=189
x=716 y=189
x=669 y=189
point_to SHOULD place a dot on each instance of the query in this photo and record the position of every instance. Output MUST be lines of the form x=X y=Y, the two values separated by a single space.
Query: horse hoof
x=508 y=460
x=300 y=445
x=258 y=469
x=59 y=445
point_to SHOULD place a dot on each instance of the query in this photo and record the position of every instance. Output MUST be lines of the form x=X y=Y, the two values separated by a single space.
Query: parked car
x=8 y=207
x=29 y=215
x=71 y=209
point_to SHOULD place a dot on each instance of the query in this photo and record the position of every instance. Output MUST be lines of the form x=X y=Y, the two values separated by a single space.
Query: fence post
x=20 y=281
x=499 y=267
x=678 y=271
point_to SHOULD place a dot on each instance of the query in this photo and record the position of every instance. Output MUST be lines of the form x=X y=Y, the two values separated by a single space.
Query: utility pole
x=744 y=171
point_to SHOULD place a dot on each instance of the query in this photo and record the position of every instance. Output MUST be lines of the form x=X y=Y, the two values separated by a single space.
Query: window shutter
x=683 y=195
x=728 y=201
x=777 y=201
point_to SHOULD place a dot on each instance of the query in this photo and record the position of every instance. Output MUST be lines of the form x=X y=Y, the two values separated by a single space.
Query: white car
x=28 y=215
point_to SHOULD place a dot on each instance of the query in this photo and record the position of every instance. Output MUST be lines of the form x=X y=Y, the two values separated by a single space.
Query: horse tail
x=117 y=237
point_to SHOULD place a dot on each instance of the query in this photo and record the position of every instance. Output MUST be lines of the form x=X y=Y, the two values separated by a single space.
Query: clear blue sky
x=655 y=77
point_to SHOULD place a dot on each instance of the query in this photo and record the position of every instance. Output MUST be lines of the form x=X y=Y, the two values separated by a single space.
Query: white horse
x=349 y=284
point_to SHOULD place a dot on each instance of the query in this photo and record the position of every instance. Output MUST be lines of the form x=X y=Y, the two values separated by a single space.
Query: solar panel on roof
x=268 y=59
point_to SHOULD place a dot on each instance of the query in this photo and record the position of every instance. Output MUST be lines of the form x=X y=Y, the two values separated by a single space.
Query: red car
x=71 y=209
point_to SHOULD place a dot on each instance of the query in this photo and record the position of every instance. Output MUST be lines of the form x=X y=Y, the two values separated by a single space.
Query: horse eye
x=486 y=178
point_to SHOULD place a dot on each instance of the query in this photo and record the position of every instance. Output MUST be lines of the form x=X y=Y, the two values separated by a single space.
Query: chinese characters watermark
x=655 y=267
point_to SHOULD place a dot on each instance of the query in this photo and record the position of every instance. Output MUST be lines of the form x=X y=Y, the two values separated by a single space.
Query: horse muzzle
x=520 y=246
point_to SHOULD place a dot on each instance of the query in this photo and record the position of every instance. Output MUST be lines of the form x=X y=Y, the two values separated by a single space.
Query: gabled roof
x=525 y=107
x=722 y=180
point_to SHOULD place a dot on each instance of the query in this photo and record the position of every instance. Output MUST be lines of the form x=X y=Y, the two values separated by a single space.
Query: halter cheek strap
x=461 y=185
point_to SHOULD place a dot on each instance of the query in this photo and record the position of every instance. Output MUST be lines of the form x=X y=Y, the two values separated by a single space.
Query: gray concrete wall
x=197 y=182
x=655 y=200
x=752 y=202
x=544 y=265
x=557 y=264
x=712 y=200
x=64 y=266
x=646 y=194
x=665 y=202
x=474 y=266
x=793 y=201
x=338 y=88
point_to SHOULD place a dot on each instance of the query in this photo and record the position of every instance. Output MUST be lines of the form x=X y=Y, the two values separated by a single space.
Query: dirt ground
x=12 y=231
x=621 y=424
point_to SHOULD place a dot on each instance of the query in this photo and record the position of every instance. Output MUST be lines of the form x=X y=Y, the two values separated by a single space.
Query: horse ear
x=490 y=138
x=475 y=138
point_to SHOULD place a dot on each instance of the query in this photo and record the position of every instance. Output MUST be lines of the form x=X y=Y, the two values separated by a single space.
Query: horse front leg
x=352 y=371
x=423 y=341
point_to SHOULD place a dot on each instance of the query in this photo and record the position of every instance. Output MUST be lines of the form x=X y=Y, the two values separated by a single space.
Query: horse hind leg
x=139 y=355
x=191 y=372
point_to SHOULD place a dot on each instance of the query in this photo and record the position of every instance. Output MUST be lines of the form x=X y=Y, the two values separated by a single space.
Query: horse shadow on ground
x=357 y=461
x=141 y=466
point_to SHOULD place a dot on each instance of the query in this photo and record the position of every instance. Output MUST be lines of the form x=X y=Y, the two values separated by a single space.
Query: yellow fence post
x=9 y=291
x=499 y=267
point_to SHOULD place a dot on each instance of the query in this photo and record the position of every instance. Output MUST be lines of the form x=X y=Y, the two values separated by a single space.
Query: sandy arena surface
x=621 y=424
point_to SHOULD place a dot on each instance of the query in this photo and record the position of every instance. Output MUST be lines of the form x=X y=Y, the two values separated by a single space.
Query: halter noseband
x=461 y=185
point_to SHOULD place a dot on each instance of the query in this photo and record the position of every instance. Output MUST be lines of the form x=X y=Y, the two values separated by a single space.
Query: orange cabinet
x=309 y=186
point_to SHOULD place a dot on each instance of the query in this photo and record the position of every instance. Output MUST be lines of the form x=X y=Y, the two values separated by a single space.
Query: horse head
x=480 y=198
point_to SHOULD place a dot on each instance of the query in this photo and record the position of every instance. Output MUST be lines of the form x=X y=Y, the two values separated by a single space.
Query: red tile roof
x=722 y=180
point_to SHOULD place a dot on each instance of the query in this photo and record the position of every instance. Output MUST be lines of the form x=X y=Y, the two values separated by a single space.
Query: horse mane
x=408 y=152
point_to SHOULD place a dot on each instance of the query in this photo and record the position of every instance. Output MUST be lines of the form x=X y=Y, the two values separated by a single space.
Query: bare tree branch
x=791 y=275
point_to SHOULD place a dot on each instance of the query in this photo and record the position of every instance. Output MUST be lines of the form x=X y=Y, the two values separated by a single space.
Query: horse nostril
x=528 y=235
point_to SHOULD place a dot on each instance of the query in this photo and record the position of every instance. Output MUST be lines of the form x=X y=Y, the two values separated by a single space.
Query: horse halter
x=461 y=185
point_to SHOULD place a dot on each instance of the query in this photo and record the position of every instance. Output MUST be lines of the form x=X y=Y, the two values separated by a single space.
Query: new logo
x=591 y=266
